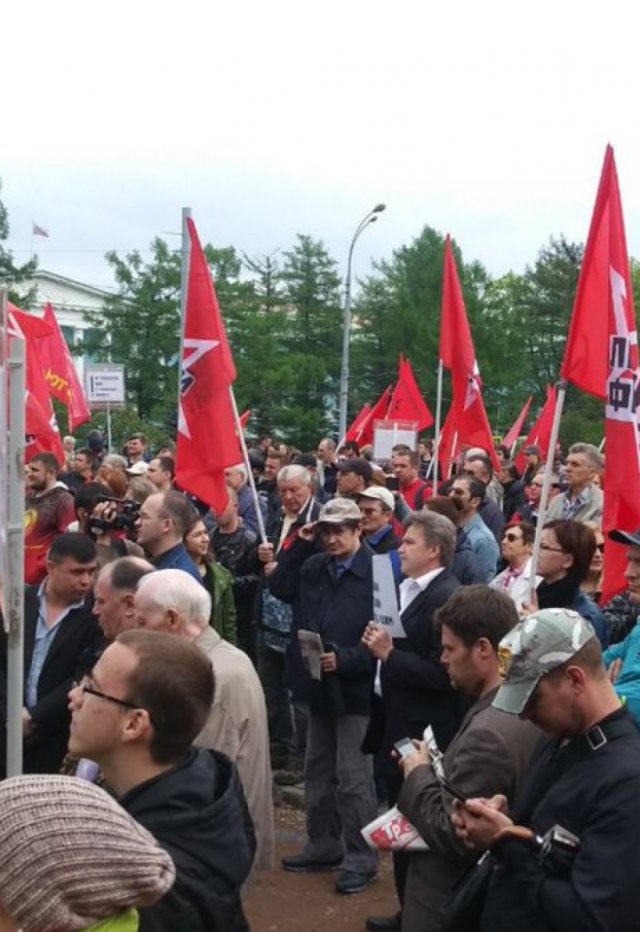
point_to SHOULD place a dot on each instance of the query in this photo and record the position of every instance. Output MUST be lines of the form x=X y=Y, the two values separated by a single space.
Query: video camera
x=123 y=518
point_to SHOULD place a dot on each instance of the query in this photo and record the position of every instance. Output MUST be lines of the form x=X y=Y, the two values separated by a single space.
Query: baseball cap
x=359 y=467
x=339 y=511
x=631 y=538
x=543 y=641
x=138 y=469
x=380 y=494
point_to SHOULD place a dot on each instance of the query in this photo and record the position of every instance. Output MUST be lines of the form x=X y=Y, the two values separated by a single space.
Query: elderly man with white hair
x=173 y=602
x=236 y=477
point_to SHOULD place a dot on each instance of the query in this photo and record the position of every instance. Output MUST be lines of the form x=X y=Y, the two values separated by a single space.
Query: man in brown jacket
x=488 y=754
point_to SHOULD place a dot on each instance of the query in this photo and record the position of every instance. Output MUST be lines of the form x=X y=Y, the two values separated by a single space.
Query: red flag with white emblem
x=467 y=417
x=207 y=440
x=601 y=358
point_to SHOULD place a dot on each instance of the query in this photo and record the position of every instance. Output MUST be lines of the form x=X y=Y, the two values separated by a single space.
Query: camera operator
x=110 y=522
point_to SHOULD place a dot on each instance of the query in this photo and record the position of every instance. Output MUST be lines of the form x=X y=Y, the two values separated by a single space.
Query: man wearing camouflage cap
x=569 y=857
x=332 y=595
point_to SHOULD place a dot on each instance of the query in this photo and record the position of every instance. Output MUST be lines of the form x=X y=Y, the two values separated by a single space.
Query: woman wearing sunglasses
x=516 y=549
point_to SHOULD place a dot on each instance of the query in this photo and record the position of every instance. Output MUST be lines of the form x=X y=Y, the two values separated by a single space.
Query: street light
x=370 y=218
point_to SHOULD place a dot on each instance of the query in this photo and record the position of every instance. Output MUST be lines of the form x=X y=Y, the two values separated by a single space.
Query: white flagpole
x=245 y=456
x=546 y=485
x=436 y=446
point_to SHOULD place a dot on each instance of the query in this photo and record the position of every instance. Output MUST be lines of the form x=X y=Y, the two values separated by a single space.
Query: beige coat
x=237 y=726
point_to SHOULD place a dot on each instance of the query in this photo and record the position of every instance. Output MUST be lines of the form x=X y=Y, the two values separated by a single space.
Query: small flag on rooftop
x=38 y=230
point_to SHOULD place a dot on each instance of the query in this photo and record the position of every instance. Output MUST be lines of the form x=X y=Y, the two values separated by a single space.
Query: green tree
x=13 y=276
x=311 y=341
x=140 y=327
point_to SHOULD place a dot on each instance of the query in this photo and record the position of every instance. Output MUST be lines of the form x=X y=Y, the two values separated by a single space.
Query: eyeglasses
x=83 y=685
x=512 y=537
x=552 y=549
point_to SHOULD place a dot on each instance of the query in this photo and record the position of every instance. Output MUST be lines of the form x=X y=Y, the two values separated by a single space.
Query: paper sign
x=311 y=649
x=393 y=832
x=385 y=602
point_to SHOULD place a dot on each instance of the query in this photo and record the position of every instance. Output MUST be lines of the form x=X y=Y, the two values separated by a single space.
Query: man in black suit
x=62 y=640
x=415 y=688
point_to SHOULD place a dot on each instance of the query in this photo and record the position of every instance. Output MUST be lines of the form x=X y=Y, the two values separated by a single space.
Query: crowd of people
x=166 y=664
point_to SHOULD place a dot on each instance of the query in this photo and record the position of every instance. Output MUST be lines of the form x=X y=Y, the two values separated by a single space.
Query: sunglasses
x=512 y=537
x=600 y=547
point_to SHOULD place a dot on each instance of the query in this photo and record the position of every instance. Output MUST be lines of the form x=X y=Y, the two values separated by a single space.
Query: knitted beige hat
x=71 y=856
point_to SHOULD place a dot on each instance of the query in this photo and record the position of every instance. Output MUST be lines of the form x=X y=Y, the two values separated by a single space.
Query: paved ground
x=285 y=902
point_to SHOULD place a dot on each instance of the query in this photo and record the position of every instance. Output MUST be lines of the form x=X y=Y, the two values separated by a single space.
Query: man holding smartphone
x=490 y=750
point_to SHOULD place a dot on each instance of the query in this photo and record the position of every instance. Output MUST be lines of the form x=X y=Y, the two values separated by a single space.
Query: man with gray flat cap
x=332 y=596
x=569 y=857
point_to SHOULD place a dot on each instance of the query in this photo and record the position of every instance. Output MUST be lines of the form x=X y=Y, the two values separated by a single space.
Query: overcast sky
x=486 y=120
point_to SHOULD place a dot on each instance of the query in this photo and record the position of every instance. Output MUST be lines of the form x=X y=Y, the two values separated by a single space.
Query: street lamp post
x=370 y=218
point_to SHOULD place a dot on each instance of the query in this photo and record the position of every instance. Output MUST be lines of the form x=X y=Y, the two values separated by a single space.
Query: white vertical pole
x=14 y=588
x=245 y=457
x=436 y=447
x=546 y=485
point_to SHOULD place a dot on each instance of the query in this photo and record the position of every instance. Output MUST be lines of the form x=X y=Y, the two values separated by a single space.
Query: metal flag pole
x=245 y=457
x=184 y=280
x=436 y=446
x=14 y=584
x=546 y=485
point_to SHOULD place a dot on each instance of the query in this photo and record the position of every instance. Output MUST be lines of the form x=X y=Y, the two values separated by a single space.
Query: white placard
x=387 y=433
x=105 y=384
x=385 y=602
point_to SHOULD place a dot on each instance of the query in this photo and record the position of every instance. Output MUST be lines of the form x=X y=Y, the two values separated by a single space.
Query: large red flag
x=407 y=403
x=39 y=410
x=601 y=358
x=468 y=418
x=60 y=373
x=514 y=431
x=355 y=428
x=377 y=413
x=207 y=439
x=540 y=434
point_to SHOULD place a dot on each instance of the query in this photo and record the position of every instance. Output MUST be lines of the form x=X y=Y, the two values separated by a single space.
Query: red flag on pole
x=540 y=433
x=377 y=413
x=601 y=358
x=467 y=415
x=244 y=418
x=60 y=372
x=207 y=439
x=407 y=403
x=39 y=410
x=355 y=429
x=514 y=431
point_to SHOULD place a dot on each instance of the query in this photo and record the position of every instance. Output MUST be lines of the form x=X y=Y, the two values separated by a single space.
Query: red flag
x=468 y=415
x=39 y=410
x=601 y=358
x=37 y=230
x=60 y=373
x=514 y=431
x=540 y=433
x=407 y=403
x=207 y=440
x=355 y=429
x=377 y=413
x=244 y=418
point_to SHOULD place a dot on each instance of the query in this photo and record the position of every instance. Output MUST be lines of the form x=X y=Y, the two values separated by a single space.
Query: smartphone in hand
x=404 y=747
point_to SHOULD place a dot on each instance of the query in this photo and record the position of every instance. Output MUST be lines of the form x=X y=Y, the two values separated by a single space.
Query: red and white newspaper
x=393 y=832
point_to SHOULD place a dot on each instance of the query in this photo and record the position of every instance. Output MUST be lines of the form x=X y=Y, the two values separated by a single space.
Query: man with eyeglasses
x=190 y=799
x=534 y=491
x=61 y=640
x=583 y=500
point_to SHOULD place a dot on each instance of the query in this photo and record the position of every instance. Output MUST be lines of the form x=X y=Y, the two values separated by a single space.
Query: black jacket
x=594 y=794
x=197 y=812
x=237 y=553
x=514 y=501
x=73 y=652
x=415 y=687
x=339 y=609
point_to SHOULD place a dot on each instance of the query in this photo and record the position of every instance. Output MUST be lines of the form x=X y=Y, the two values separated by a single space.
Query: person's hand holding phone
x=411 y=753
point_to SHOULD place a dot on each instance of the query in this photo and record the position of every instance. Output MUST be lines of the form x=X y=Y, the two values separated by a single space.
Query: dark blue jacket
x=339 y=609
x=177 y=559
